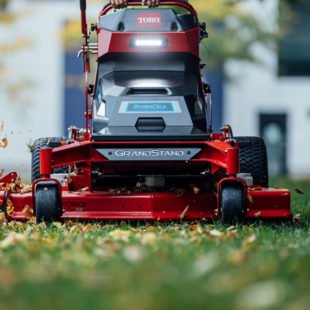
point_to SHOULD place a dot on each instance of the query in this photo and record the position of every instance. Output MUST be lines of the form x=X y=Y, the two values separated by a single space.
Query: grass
x=153 y=266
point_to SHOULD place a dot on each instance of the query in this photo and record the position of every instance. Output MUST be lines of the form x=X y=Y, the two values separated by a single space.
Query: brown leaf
x=26 y=189
x=196 y=190
x=258 y=214
x=299 y=191
x=2 y=126
x=182 y=215
x=2 y=217
x=296 y=217
x=1 y=172
x=4 y=143
x=28 y=211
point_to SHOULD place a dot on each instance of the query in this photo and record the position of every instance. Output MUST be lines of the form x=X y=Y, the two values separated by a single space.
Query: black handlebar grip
x=83 y=5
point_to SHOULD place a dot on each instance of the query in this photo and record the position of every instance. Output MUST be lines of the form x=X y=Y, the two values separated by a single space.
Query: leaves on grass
x=11 y=240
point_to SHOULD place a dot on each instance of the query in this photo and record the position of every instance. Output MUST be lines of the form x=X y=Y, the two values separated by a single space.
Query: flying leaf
x=299 y=191
x=28 y=211
x=182 y=215
x=4 y=143
x=1 y=126
x=1 y=172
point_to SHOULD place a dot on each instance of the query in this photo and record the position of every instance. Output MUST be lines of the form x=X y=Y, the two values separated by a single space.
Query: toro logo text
x=149 y=20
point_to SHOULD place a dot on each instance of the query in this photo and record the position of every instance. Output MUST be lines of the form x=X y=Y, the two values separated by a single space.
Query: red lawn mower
x=148 y=151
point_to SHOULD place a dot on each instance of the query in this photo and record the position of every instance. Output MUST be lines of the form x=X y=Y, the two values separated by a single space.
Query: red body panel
x=262 y=203
x=119 y=42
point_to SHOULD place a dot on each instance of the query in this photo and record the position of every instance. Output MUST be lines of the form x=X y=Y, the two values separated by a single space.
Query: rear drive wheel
x=35 y=161
x=232 y=205
x=47 y=202
x=253 y=159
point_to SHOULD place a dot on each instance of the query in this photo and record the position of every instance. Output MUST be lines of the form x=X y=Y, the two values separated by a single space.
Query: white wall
x=38 y=110
x=258 y=89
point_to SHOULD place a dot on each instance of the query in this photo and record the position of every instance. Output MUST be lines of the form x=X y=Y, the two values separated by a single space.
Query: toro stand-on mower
x=148 y=151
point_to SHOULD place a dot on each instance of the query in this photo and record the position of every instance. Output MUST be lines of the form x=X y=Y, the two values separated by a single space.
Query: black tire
x=253 y=159
x=35 y=161
x=232 y=205
x=47 y=202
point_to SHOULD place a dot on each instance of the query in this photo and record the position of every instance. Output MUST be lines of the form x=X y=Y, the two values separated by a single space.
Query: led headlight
x=148 y=43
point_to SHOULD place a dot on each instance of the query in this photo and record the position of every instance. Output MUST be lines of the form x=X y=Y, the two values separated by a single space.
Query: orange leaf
x=4 y=143
x=196 y=190
x=28 y=211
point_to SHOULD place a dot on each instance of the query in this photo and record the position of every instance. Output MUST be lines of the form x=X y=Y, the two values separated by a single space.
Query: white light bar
x=148 y=43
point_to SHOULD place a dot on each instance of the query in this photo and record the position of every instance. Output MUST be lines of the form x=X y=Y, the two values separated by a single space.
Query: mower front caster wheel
x=233 y=208
x=47 y=202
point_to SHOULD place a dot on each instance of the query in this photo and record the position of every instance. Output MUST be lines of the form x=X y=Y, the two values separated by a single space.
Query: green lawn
x=175 y=266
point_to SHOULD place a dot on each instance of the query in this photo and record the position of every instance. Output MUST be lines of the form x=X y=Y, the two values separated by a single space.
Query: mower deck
x=261 y=203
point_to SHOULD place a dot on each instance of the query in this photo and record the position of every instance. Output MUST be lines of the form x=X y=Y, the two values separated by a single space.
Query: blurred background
x=257 y=56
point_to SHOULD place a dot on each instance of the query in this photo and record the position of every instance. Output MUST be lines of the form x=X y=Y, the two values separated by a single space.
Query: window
x=294 y=55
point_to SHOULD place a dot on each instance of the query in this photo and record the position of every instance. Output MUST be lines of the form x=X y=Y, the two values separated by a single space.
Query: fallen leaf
x=10 y=208
x=296 y=217
x=182 y=215
x=11 y=239
x=214 y=233
x=133 y=254
x=231 y=228
x=258 y=214
x=299 y=191
x=85 y=189
x=238 y=256
x=196 y=190
x=2 y=217
x=148 y=238
x=250 y=239
x=28 y=211
x=4 y=143
x=26 y=189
